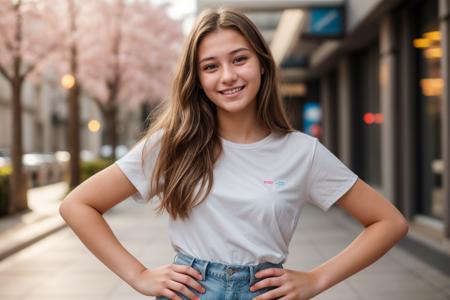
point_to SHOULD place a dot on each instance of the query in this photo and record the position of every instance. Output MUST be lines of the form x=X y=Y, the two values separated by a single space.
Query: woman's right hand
x=168 y=279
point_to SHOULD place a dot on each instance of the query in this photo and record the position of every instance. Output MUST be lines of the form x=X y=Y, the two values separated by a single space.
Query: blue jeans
x=224 y=282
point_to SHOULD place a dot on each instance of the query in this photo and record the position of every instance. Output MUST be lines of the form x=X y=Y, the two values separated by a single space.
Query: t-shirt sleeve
x=329 y=179
x=138 y=165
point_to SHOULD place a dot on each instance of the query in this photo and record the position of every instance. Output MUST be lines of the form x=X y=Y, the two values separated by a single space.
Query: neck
x=241 y=127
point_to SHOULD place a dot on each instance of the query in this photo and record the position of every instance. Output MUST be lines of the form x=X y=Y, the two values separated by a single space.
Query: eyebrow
x=231 y=52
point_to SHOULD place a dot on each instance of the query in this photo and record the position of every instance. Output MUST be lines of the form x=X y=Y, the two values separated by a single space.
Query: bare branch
x=43 y=56
x=5 y=73
x=6 y=42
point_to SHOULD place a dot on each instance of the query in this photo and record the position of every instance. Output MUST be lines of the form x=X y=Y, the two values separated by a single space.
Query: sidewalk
x=59 y=266
x=23 y=229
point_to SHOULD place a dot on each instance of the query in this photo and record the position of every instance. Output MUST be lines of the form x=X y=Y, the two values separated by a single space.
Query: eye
x=209 y=67
x=240 y=59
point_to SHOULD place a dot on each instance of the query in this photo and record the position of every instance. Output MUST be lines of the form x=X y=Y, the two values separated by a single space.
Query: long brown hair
x=190 y=143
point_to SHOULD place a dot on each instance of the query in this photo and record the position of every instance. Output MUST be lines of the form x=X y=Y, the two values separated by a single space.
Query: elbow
x=64 y=209
x=401 y=226
x=67 y=208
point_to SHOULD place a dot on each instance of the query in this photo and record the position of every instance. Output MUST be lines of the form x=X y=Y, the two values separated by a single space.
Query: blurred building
x=378 y=70
x=45 y=119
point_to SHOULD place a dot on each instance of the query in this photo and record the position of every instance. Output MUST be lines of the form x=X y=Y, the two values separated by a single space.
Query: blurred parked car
x=42 y=168
x=4 y=161
x=4 y=158
x=35 y=167
x=106 y=151
x=87 y=155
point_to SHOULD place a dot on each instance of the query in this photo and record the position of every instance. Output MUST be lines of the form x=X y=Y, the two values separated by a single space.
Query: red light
x=316 y=130
x=379 y=118
x=369 y=118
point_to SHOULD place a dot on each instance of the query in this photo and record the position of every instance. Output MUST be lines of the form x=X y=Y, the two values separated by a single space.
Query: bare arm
x=83 y=208
x=384 y=227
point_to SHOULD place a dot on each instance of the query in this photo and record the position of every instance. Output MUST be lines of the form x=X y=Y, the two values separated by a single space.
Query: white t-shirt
x=255 y=202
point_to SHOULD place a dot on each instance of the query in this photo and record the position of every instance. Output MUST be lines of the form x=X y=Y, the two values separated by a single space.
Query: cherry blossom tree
x=72 y=11
x=126 y=52
x=120 y=53
x=28 y=34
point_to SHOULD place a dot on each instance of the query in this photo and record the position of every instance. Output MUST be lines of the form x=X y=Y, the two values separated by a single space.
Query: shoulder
x=295 y=144
x=151 y=140
x=300 y=140
x=148 y=145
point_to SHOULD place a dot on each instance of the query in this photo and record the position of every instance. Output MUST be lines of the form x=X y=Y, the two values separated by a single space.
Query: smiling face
x=229 y=71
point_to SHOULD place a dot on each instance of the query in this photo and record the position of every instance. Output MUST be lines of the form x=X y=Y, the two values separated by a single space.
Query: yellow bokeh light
x=94 y=125
x=421 y=43
x=68 y=81
x=432 y=86
x=433 y=53
x=432 y=35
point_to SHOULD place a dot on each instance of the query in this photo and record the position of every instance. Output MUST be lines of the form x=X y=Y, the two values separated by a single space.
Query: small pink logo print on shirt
x=274 y=183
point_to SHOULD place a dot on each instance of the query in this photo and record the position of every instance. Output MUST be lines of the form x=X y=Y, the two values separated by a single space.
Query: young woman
x=233 y=176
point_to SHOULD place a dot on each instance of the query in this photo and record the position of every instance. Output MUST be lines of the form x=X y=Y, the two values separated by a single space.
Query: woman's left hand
x=290 y=284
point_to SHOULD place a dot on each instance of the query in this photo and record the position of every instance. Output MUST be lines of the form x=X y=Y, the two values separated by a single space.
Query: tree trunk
x=74 y=135
x=111 y=128
x=74 y=107
x=18 y=183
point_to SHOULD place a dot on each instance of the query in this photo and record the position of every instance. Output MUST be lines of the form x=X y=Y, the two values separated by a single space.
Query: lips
x=232 y=91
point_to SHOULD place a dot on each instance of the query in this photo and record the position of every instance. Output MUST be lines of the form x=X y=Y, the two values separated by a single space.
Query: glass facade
x=369 y=119
x=427 y=43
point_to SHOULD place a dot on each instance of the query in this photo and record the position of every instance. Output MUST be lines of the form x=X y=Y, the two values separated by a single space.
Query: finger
x=272 y=272
x=187 y=270
x=170 y=294
x=268 y=282
x=272 y=294
x=187 y=280
x=176 y=286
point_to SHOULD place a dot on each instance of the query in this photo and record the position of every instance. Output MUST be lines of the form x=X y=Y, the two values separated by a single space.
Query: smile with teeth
x=232 y=91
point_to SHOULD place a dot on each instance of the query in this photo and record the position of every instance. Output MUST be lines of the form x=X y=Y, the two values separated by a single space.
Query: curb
x=14 y=240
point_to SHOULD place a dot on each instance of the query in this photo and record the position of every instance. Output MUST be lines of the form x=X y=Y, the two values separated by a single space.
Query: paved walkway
x=21 y=230
x=60 y=268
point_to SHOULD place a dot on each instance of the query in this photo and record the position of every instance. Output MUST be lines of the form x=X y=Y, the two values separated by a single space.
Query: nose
x=229 y=75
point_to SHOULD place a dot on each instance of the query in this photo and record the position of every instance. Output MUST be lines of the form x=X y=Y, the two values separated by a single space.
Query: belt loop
x=203 y=270
x=252 y=274
x=187 y=258
x=192 y=260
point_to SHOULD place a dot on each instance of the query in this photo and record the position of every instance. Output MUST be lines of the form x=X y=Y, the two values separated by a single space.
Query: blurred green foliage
x=89 y=168
x=5 y=173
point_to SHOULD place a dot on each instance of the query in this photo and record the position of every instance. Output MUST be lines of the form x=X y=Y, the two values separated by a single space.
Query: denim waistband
x=224 y=271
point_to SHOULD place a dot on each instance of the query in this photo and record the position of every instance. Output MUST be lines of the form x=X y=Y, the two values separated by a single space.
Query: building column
x=407 y=147
x=345 y=111
x=388 y=84
x=444 y=19
x=325 y=102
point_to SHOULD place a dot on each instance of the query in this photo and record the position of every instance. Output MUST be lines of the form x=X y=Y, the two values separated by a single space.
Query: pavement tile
x=406 y=296
x=124 y=291
x=47 y=297
x=340 y=291
x=385 y=284
x=60 y=267
x=18 y=285
x=76 y=286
